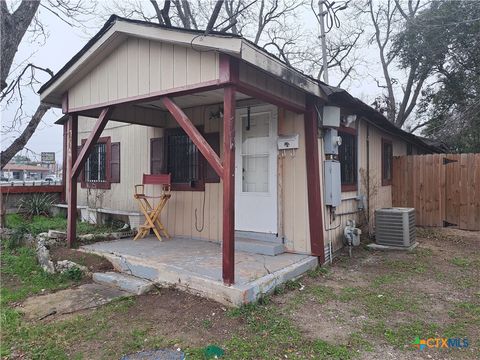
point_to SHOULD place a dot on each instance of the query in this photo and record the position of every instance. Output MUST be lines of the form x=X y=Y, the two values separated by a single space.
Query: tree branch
x=27 y=133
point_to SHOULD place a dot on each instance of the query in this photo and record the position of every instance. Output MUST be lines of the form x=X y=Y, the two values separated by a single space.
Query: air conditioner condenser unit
x=395 y=227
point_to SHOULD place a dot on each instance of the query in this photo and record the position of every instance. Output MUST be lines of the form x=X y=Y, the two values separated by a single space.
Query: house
x=250 y=142
x=24 y=172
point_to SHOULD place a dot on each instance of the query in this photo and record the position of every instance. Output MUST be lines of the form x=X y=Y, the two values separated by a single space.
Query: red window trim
x=387 y=182
x=107 y=183
x=350 y=131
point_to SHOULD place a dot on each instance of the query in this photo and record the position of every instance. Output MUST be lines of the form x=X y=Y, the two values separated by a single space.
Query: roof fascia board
x=196 y=41
x=274 y=66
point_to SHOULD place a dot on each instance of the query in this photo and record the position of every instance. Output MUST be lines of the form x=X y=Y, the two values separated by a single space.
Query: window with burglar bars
x=96 y=165
x=347 y=155
x=183 y=159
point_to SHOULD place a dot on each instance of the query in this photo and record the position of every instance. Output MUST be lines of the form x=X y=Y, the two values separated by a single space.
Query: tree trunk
x=12 y=29
x=22 y=140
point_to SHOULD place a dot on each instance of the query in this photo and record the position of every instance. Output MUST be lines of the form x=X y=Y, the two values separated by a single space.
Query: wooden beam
x=261 y=94
x=313 y=181
x=229 y=74
x=156 y=95
x=91 y=141
x=29 y=189
x=72 y=130
x=64 y=163
x=194 y=135
x=228 y=248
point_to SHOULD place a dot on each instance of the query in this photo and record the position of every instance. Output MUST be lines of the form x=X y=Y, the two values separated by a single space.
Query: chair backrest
x=157 y=179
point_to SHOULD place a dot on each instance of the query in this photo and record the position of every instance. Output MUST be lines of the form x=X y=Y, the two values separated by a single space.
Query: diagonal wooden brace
x=194 y=135
x=91 y=141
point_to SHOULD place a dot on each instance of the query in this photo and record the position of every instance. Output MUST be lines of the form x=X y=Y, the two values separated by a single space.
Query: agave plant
x=37 y=204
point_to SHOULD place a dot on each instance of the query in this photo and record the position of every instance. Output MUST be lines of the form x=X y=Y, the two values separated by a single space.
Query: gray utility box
x=330 y=141
x=333 y=187
x=395 y=227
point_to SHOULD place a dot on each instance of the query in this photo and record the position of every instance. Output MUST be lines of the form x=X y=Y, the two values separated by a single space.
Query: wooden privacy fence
x=443 y=188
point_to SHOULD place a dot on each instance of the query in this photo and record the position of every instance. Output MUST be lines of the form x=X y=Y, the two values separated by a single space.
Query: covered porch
x=196 y=266
x=110 y=80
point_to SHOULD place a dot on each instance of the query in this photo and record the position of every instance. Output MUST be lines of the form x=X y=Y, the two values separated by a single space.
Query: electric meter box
x=331 y=116
x=287 y=142
x=333 y=187
x=331 y=141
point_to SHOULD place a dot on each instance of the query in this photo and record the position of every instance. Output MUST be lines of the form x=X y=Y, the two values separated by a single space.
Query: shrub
x=74 y=274
x=38 y=204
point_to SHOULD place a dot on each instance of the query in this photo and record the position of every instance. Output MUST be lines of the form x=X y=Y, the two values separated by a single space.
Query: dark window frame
x=99 y=184
x=351 y=186
x=385 y=180
x=206 y=173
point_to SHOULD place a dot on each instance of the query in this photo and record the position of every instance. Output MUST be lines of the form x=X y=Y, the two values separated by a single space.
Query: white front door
x=256 y=169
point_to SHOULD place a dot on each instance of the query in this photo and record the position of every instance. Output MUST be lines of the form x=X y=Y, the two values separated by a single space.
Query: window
x=176 y=154
x=96 y=165
x=409 y=149
x=183 y=159
x=387 y=162
x=102 y=166
x=347 y=155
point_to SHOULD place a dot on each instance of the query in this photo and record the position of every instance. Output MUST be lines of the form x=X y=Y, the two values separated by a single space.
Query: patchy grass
x=387 y=301
x=22 y=276
x=272 y=335
x=39 y=224
x=460 y=262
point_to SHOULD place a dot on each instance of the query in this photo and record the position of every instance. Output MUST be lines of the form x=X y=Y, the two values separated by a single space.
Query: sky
x=65 y=41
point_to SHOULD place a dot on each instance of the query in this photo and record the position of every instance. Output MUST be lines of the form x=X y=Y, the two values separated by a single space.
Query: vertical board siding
x=294 y=181
x=139 y=67
x=439 y=192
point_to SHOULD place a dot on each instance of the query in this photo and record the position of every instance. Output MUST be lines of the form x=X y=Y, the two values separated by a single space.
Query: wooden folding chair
x=152 y=214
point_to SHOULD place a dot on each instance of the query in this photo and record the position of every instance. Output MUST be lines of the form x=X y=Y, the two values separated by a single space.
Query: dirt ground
x=433 y=291
x=370 y=306
x=93 y=262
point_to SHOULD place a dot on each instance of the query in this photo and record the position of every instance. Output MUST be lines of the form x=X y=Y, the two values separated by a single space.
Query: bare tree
x=388 y=18
x=14 y=24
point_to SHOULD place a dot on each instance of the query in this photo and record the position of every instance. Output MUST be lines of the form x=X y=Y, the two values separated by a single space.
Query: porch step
x=258 y=246
x=129 y=283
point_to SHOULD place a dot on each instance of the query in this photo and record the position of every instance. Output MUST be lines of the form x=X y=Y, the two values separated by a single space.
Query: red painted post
x=72 y=180
x=64 y=163
x=313 y=181
x=228 y=260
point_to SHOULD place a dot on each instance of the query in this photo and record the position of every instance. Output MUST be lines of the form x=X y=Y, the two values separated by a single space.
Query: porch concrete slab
x=196 y=266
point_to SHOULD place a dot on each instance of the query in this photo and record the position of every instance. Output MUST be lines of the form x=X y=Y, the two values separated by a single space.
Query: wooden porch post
x=313 y=181
x=64 y=163
x=72 y=137
x=228 y=248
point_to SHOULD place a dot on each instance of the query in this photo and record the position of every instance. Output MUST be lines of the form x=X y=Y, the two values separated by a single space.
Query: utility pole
x=323 y=39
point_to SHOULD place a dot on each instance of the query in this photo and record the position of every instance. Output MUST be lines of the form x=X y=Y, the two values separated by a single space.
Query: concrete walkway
x=67 y=301
x=196 y=266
